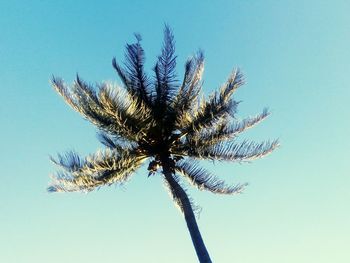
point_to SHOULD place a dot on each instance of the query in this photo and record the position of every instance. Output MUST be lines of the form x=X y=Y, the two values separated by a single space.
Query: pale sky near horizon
x=296 y=59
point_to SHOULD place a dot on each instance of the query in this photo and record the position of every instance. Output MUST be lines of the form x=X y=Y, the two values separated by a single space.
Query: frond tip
x=165 y=85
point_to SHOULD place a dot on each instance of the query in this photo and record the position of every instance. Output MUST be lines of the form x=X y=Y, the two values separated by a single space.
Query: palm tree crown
x=159 y=119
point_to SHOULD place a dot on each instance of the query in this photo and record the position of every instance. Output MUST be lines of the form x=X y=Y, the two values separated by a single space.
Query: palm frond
x=115 y=142
x=90 y=105
x=247 y=123
x=234 y=81
x=111 y=110
x=70 y=161
x=165 y=70
x=61 y=88
x=209 y=114
x=217 y=107
x=104 y=168
x=191 y=84
x=79 y=97
x=127 y=108
x=232 y=151
x=133 y=75
x=204 y=180
x=187 y=97
x=108 y=140
x=81 y=87
x=224 y=130
x=123 y=75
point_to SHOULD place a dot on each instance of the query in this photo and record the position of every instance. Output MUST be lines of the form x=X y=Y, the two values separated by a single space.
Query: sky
x=295 y=56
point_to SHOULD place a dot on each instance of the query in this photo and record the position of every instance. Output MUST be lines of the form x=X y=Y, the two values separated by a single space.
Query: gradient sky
x=295 y=56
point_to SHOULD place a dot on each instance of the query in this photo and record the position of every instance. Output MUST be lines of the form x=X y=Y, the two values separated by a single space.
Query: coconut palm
x=160 y=120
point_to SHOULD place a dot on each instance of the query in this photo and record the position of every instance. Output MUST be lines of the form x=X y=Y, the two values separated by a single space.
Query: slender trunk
x=190 y=218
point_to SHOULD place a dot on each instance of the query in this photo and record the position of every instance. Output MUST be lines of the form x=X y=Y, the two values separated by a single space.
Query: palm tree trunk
x=190 y=218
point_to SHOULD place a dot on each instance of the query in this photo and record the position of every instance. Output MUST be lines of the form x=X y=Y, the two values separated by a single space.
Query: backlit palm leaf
x=103 y=168
x=163 y=121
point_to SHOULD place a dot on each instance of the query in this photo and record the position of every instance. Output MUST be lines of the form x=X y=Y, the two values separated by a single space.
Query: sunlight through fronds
x=159 y=119
x=232 y=151
x=103 y=168
x=224 y=130
x=192 y=82
x=218 y=107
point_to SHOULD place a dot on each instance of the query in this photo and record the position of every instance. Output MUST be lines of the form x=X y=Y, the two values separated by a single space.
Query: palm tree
x=160 y=120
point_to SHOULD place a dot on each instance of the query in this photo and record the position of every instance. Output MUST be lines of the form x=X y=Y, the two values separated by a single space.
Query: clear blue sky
x=296 y=57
